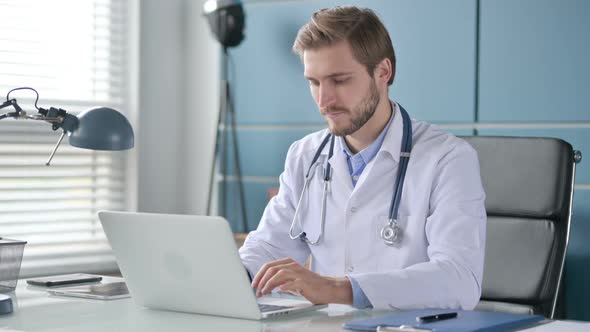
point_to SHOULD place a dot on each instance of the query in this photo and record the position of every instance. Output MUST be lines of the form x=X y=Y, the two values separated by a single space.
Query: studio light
x=226 y=19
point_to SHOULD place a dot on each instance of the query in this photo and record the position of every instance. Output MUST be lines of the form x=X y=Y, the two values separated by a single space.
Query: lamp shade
x=102 y=128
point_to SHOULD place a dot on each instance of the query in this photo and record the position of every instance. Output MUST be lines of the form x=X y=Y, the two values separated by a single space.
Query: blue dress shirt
x=356 y=165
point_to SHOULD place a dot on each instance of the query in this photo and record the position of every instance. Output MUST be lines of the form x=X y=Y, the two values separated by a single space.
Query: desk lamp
x=100 y=128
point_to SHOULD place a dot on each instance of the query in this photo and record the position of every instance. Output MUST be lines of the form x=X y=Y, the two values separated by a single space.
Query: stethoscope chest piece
x=392 y=234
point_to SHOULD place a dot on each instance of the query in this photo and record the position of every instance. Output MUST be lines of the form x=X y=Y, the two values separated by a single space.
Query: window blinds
x=74 y=53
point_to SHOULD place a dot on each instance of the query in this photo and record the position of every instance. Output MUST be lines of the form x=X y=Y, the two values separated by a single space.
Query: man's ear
x=383 y=71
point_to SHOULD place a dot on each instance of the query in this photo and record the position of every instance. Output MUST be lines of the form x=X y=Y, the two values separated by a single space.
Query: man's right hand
x=290 y=276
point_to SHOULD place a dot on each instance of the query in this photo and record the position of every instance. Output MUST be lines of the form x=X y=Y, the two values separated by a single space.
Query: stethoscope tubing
x=406 y=148
x=308 y=176
x=403 y=165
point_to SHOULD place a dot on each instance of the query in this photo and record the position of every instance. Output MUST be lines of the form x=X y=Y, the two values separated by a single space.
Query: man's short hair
x=360 y=27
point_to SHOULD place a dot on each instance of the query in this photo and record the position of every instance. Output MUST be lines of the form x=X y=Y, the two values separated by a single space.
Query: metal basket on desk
x=11 y=256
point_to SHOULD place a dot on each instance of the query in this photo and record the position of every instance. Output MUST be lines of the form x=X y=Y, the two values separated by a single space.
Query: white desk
x=36 y=310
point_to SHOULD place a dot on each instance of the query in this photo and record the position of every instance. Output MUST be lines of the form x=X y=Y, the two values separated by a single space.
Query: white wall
x=178 y=101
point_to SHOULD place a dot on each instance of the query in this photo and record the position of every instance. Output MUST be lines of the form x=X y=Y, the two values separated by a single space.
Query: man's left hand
x=290 y=276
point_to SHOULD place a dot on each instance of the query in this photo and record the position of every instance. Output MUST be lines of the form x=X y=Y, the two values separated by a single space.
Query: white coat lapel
x=387 y=158
x=340 y=172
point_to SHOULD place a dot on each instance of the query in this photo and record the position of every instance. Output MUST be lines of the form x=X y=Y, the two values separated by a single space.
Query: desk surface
x=36 y=310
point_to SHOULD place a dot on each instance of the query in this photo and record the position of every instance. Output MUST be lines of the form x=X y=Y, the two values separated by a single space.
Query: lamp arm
x=19 y=113
x=44 y=118
x=18 y=110
x=56 y=116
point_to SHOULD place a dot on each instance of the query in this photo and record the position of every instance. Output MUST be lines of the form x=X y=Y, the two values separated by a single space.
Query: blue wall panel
x=459 y=131
x=263 y=152
x=534 y=60
x=435 y=49
x=579 y=138
x=269 y=85
x=434 y=41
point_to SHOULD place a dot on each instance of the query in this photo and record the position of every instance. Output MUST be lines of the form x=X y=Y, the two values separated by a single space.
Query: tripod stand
x=226 y=118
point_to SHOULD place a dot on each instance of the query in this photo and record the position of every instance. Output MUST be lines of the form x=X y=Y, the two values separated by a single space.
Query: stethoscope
x=392 y=233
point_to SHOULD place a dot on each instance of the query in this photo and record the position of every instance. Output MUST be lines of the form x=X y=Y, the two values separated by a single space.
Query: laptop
x=189 y=264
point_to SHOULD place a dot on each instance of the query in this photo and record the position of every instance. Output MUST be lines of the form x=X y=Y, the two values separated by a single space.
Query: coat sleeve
x=271 y=241
x=455 y=232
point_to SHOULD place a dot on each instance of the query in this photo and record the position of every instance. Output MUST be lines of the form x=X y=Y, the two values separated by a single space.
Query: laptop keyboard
x=270 y=307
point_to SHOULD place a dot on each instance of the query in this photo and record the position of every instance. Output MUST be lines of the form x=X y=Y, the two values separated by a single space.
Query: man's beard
x=365 y=111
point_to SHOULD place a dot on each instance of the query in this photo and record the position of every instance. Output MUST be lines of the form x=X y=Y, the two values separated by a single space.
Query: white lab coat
x=440 y=262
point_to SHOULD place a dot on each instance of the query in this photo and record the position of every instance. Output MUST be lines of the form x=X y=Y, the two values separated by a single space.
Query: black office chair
x=529 y=185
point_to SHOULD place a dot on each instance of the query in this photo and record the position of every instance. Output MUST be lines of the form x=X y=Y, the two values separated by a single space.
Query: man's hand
x=290 y=276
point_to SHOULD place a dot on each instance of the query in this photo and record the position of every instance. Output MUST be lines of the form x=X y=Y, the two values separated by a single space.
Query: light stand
x=226 y=19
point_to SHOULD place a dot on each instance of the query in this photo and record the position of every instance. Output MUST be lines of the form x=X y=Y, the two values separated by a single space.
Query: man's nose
x=326 y=96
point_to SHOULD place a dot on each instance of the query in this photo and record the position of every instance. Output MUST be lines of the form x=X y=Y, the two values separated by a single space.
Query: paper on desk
x=560 y=325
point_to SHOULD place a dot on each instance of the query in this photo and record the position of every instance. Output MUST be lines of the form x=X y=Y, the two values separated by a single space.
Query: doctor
x=372 y=242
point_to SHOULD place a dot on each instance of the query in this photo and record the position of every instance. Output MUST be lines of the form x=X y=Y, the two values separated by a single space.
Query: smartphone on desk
x=64 y=280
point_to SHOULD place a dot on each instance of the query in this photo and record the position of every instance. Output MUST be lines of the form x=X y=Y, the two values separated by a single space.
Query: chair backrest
x=529 y=192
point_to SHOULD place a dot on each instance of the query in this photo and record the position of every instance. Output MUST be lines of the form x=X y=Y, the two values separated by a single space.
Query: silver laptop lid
x=181 y=263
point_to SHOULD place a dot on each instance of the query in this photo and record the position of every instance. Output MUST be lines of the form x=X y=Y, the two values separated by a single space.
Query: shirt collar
x=393 y=138
x=392 y=142
x=368 y=153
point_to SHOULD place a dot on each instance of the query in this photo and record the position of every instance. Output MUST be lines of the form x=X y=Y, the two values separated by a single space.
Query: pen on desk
x=434 y=318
